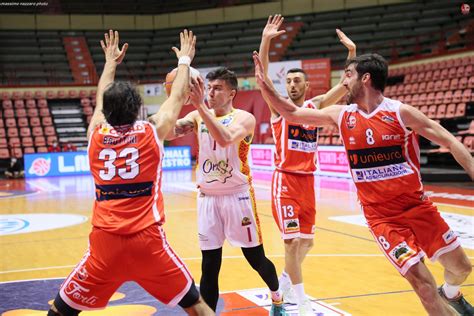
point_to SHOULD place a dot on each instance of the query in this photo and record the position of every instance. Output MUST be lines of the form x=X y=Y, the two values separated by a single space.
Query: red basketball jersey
x=295 y=145
x=126 y=166
x=383 y=154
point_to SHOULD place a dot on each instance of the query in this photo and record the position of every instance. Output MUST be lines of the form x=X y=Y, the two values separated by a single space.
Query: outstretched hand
x=259 y=72
x=111 y=47
x=187 y=45
x=273 y=24
x=346 y=41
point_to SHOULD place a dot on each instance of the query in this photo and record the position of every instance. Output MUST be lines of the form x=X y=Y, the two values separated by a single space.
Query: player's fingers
x=111 y=37
x=102 y=44
x=270 y=18
x=107 y=40
x=116 y=34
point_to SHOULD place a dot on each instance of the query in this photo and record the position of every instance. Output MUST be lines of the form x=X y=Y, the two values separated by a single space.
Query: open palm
x=111 y=47
x=273 y=24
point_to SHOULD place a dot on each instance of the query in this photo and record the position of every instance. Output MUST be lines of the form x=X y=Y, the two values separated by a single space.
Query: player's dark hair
x=375 y=65
x=226 y=75
x=121 y=103
x=297 y=70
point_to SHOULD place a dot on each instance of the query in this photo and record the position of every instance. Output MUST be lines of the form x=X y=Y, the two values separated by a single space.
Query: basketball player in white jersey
x=295 y=164
x=226 y=198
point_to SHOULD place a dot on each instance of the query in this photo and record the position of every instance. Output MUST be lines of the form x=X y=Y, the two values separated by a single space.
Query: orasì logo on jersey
x=301 y=134
x=375 y=157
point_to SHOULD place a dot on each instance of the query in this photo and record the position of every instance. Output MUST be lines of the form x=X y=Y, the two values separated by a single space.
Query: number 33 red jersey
x=126 y=166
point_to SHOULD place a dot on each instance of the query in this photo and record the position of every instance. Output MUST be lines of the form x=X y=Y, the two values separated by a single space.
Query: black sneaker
x=459 y=303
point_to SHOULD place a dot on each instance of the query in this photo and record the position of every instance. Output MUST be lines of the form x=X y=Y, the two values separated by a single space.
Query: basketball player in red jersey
x=127 y=242
x=379 y=135
x=295 y=162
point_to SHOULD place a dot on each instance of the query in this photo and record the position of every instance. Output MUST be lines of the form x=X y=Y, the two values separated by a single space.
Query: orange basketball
x=172 y=74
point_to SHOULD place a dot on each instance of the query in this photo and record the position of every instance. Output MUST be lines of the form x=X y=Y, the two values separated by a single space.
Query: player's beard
x=355 y=92
x=296 y=96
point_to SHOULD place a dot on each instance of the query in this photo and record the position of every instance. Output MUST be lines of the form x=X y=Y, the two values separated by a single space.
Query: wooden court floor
x=345 y=269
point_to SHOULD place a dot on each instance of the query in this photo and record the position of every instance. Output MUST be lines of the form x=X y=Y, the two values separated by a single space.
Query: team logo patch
x=291 y=225
x=82 y=274
x=352 y=140
x=217 y=171
x=401 y=253
x=388 y=119
x=40 y=166
x=246 y=221
x=449 y=236
x=351 y=121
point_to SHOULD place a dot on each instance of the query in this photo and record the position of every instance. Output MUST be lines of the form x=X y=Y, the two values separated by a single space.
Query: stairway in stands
x=68 y=118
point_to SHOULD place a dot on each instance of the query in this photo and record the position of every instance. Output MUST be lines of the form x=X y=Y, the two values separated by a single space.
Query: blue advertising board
x=77 y=163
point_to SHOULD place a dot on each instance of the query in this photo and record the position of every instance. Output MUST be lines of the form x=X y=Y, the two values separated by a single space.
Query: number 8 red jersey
x=383 y=154
x=126 y=166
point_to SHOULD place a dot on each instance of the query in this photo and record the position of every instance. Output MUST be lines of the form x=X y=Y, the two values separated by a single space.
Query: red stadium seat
x=3 y=142
x=430 y=98
x=415 y=87
x=469 y=143
x=40 y=141
x=460 y=72
x=442 y=64
x=51 y=139
x=44 y=112
x=20 y=112
x=19 y=104
x=5 y=95
x=422 y=87
x=47 y=121
x=4 y=153
x=30 y=104
x=450 y=110
x=62 y=94
x=42 y=149
x=49 y=131
x=437 y=85
x=453 y=85
x=449 y=63
x=467 y=96
x=400 y=98
x=27 y=141
x=35 y=121
x=448 y=97
x=415 y=100
x=88 y=110
x=460 y=110
x=462 y=84
x=17 y=152
x=32 y=112
x=468 y=71
x=424 y=109
x=29 y=150
x=457 y=96
x=37 y=131
x=42 y=103
x=441 y=111
x=439 y=97
x=457 y=62
x=400 y=89
x=420 y=77
x=83 y=94
x=28 y=95
x=14 y=142
x=451 y=73
x=1 y=123
x=470 y=83
x=2 y=132
x=51 y=94
x=23 y=122
x=407 y=89
x=40 y=94
x=12 y=132
x=423 y=99
x=8 y=113
x=429 y=75
x=407 y=99
x=445 y=84
x=7 y=104
x=430 y=86
x=85 y=102
x=25 y=132
x=73 y=94
x=432 y=109
x=93 y=93
x=17 y=95
x=10 y=122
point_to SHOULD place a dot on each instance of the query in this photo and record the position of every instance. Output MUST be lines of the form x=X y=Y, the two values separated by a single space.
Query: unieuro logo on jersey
x=379 y=163
x=301 y=139
x=77 y=163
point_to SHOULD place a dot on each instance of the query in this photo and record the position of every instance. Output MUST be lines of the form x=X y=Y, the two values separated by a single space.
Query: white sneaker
x=289 y=295
x=305 y=309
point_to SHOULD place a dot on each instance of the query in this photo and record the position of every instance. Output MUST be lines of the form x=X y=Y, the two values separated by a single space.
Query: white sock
x=277 y=296
x=284 y=278
x=451 y=291
x=299 y=291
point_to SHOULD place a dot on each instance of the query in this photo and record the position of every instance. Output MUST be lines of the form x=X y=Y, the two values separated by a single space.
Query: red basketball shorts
x=144 y=257
x=294 y=204
x=418 y=229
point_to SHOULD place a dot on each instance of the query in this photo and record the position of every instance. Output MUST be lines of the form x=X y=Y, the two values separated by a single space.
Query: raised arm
x=269 y=32
x=184 y=126
x=165 y=119
x=113 y=57
x=338 y=91
x=287 y=109
x=241 y=127
x=436 y=133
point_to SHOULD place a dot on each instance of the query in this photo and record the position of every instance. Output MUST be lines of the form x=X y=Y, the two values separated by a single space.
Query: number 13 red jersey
x=383 y=154
x=126 y=166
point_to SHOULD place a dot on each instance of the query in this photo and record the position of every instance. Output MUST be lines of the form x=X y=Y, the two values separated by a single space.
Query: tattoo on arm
x=183 y=128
